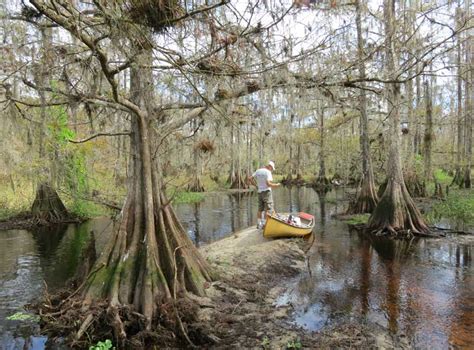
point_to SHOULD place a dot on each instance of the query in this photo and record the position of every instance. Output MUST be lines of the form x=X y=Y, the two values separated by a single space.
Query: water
x=29 y=261
x=420 y=290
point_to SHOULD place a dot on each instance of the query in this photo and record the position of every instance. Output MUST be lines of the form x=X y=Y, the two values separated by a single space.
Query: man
x=262 y=178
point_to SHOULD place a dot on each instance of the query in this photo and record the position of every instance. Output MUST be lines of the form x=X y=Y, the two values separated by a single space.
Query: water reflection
x=220 y=214
x=420 y=289
x=322 y=205
x=28 y=259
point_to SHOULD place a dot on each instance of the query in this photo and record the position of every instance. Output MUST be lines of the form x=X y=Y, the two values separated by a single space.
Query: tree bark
x=238 y=180
x=322 y=180
x=469 y=100
x=428 y=137
x=149 y=258
x=47 y=206
x=196 y=183
x=367 y=198
x=458 y=171
x=396 y=211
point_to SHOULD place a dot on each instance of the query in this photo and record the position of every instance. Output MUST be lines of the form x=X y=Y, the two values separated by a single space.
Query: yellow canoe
x=288 y=225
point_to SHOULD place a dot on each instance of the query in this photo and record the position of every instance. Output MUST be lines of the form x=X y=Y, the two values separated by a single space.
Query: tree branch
x=100 y=134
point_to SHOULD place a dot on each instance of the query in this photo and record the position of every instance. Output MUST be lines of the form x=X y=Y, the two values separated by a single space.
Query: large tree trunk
x=47 y=206
x=196 y=182
x=417 y=137
x=137 y=270
x=238 y=180
x=149 y=259
x=322 y=180
x=396 y=211
x=367 y=198
x=428 y=137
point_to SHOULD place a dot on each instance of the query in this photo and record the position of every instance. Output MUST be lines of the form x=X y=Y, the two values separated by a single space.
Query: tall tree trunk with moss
x=196 y=182
x=395 y=212
x=459 y=149
x=367 y=196
x=239 y=182
x=47 y=206
x=231 y=179
x=428 y=136
x=321 y=180
x=469 y=102
x=149 y=258
x=468 y=92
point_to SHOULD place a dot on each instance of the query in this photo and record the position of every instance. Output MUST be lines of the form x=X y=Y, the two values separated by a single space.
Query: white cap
x=272 y=164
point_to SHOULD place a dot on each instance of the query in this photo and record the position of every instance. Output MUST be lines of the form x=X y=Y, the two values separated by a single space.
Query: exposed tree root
x=397 y=214
x=196 y=185
x=414 y=184
x=121 y=324
x=48 y=207
x=438 y=193
x=239 y=182
x=366 y=199
x=458 y=177
x=290 y=181
x=466 y=179
x=322 y=184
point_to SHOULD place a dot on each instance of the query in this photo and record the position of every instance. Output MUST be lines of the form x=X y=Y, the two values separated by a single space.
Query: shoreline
x=241 y=309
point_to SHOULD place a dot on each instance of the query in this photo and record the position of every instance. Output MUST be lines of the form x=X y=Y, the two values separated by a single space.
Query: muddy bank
x=240 y=310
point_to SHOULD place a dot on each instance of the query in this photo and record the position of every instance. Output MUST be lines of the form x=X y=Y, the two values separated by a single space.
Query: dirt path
x=240 y=308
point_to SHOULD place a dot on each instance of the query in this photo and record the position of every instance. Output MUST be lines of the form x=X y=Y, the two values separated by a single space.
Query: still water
x=420 y=291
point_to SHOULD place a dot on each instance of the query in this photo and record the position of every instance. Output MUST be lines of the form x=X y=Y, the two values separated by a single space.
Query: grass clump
x=358 y=219
x=15 y=202
x=188 y=197
x=458 y=206
x=23 y=316
x=442 y=177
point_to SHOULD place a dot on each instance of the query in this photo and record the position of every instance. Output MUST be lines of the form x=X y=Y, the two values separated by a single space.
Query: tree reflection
x=197 y=223
x=60 y=248
x=322 y=192
x=48 y=238
x=392 y=253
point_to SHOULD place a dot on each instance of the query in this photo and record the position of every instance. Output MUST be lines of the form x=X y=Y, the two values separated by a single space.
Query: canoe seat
x=305 y=216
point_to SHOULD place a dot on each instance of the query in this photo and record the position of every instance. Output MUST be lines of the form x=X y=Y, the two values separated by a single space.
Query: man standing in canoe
x=262 y=178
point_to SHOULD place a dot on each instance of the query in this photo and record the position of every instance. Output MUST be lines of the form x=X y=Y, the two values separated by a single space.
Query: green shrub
x=188 y=197
x=358 y=219
x=458 y=206
x=102 y=345
x=294 y=344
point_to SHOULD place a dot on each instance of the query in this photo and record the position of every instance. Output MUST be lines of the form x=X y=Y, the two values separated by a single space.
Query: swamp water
x=421 y=292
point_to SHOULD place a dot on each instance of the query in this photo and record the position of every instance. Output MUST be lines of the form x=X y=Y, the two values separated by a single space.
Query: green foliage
x=418 y=164
x=14 y=202
x=72 y=161
x=294 y=344
x=443 y=177
x=188 y=197
x=107 y=344
x=265 y=342
x=59 y=133
x=23 y=316
x=459 y=206
x=358 y=219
